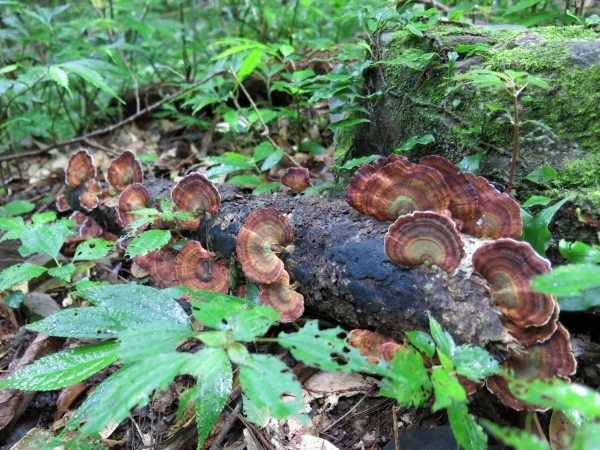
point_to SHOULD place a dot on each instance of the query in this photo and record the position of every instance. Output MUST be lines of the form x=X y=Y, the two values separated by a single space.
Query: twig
x=395 y=428
x=110 y=128
x=254 y=429
x=223 y=433
x=350 y=410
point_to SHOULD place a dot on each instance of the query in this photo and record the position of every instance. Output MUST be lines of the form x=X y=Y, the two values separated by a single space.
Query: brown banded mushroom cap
x=424 y=237
x=133 y=198
x=160 y=264
x=499 y=215
x=533 y=335
x=509 y=266
x=197 y=195
x=463 y=199
x=550 y=359
x=89 y=199
x=196 y=268
x=263 y=235
x=283 y=298
x=369 y=343
x=297 y=178
x=398 y=188
x=62 y=203
x=124 y=170
x=80 y=169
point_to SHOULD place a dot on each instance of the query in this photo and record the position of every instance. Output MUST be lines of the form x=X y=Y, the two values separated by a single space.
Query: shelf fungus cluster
x=264 y=235
x=195 y=194
x=296 y=178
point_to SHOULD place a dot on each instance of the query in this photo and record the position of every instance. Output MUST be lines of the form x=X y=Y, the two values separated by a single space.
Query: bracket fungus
x=197 y=195
x=533 y=335
x=282 y=298
x=296 y=178
x=62 y=203
x=160 y=264
x=509 y=266
x=134 y=197
x=373 y=345
x=90 y=198
x=80 y=169
x=424 y=237
x=264 y=234
x=195 y=267
x=124 y=171
x=395 y=187
x=550 y=359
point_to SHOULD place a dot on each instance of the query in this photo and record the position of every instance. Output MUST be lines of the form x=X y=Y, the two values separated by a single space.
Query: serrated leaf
x=536 y=200
x=542 y=175
x=408 y=380
x=315 y=348
x=133 y=389
x=475 y=363
x=18 y=274
x=516 y=438
x=535 y=229
x=60 y=77
x=470 y=164
x=271 y=160
x=93 y=249
x=16 y=208
x=45 y=217
x=357 y=162
x=256 y=414
x=44 y=239
x=345 y=123
x=149 y=339
x=14 y=227
x=65 y=272
x=63 y=368
x=446 y=389
x=442 y=338
x=239 y=354
x=422 y=341
x=466 y=431
x=267 y=382
x=147 y=241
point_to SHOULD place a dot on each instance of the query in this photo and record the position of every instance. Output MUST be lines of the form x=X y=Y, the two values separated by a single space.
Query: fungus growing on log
x=160 y=264
x=195 y=267
x=282 y=298
x=197 y=195
x=424 y=237
x=500 y=215
x=370 y=343
x=509 y=266
x=62 y=203
x=533 y=335
x=264 y=234
x=80 y=169
x=90 y=198
x=133 y=198
x=396 y=188
x=124 y=171
x=296 y=178
x=463 y=198
x=550 y=359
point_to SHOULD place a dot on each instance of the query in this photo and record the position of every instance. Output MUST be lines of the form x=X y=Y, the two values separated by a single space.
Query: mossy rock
x=418 y=101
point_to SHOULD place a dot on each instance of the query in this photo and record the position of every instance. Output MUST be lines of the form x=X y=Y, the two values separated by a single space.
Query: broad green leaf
x=262 y=150
x=63 y=368
x=239 y=354
x=540 y=124
x=252 y=292
x=267 y=382
x=412 y=141
x=145 y=212
x=542 y=175
x=272 y=160
x=475 y=363
x=316 y=348
x=14 y=227
x=45 y=217
x=65 y=272
x=312 y=147
x=446 y=388
x=133 y=389
x=266 y=187
x=149 y=339
x=466 y=431
x=246 y=180
x=470 y=164
x=60 y=77
x=256 y=414
x=18 y=274
x=521 y=5
x=536 y=200
x=93 y=249
x=43 y=239
x=345 y=123
x=16 y=208
x=422 y=341
x=357 y=162
x=535 y=229
x=408 y=381
x=579 y=253
x=516 y=438
x=442 y=338
x=568 y=280
x=207 y=362
x=87 y=69
x=147 y=242
x=224 y=169
x=14 y=299
x=414 y=29
x=249 y=64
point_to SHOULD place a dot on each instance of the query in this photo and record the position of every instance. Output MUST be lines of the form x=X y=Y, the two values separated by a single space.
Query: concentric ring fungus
x=196 y=268
x=90 y=198
x=134 y=197
x=197 y=195
x=160 y=264
x=550 y=359
x=283 y=298
x=500 y=215
x=395 y=187
x=124 y=170
x=509 y=266
x=263 y=235
x=62 y=203
x=424 y=237
x=296 y=178
x=80 y=169
x=533 y=335
x=370 y=343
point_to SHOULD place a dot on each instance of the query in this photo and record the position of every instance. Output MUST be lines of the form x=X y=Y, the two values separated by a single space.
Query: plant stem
x=513 y=163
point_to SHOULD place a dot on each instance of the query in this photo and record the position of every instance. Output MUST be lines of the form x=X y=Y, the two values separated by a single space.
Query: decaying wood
x=340 y=268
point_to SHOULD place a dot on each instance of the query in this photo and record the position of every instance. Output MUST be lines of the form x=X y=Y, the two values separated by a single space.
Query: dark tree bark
x=343 y=273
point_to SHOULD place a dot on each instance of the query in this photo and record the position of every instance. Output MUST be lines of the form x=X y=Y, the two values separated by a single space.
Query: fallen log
x=341 y=270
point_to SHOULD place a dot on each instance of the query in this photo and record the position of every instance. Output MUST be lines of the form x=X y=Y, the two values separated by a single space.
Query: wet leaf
x=63 y=272
x=16 y=208
x=542 y=175
x=446 y=388
x=475 y=363
x=14 y=226
x=18 y=274
x=568 y=280
x=147 y=242
x=422 y=341
x=149 y=339
x=442 y=338
x=408 y=381
x=470 y=164
x=535 y=229
x=256 y=414
x=272 y=160
x=93 y=249
x=44 y=239
x=466 y=431
x=578 y=252
x=14 y=299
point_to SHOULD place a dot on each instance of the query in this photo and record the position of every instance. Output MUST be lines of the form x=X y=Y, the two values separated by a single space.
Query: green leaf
x=145 y=212
x=579 y=253
x=521 y=5
x=87 y=69
x=542 y=175
x=18 y=274
x=446 y=388
x=133 y=389
x=63 y=272
x=14 y=299
x=414 y=29
x=249 y=64
x=312 y=147
x=267 y=381
x=519 y=439
x=408 y=381
x=147 y=242
x=568 y=280
x=16 y=208
x=45 y=217
x=345 y=123
x=262 y=150
x=422 y=341
x=537 y=200
x=44 y=239
x=272 y=160
x=256 y=414
x=60 y=77
x=442 y=338
x=356 y=162
x=316 y=347
x=246 y=180
x=413 y=141
x=267 y=187
x=14 y=226
x=93 y=249
x=470 y=164
x=535 y=229
x=252 y=292
x=466 y=431
x=540 y=124
x=63 y=368
x=150 y=339
x=475 y=363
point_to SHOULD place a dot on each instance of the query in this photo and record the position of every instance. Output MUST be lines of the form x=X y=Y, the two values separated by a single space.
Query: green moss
x=581 y=173
x=586 y=199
